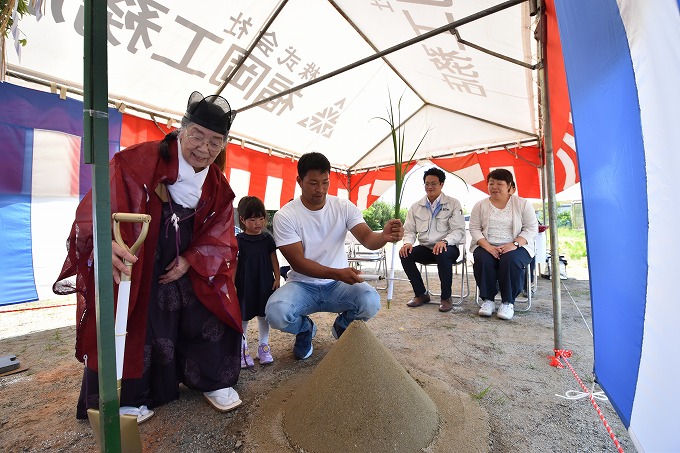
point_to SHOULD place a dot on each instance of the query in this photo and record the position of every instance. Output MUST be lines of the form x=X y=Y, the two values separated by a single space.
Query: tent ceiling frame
x=375 y=49
x=457 y=36
x=517 y=156
x=492 y=53
x=77 y=89
x=445 y=28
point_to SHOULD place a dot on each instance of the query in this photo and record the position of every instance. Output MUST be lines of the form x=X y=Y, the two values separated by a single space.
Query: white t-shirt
x=321 y=232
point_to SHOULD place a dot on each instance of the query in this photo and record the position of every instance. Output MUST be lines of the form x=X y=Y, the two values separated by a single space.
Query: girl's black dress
x=254 y=273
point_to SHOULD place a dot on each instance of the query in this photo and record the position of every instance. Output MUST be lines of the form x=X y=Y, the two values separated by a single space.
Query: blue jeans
x=287 y=309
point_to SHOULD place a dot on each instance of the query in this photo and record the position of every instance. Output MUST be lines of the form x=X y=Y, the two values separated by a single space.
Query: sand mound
x=360 y=399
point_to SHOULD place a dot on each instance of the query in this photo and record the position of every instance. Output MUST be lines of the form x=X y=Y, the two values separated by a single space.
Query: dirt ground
x=499 y=369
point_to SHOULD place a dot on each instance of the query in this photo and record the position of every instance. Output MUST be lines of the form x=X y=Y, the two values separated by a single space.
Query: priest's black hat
x=212 y=112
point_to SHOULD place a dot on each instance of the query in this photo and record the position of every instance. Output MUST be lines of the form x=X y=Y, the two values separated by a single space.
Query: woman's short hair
x=249 y=207
x=434 y=171
x=500 y=174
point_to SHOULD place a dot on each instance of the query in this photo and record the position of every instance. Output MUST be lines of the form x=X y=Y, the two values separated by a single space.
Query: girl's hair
x=249 y=207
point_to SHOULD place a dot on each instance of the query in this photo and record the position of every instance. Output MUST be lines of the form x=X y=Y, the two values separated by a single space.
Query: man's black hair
x=313 y=161
x=434 y=171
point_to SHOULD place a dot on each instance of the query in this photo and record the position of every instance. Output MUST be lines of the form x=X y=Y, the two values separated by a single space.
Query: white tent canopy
x=159 y=52
x=473 y=86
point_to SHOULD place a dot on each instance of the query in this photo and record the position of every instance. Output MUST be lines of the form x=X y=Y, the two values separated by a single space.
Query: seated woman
x=502 y=229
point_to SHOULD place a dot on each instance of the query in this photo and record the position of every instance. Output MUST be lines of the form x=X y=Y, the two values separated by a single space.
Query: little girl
x=257 y=275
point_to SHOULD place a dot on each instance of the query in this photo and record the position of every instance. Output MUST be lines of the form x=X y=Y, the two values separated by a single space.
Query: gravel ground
x=500 y=369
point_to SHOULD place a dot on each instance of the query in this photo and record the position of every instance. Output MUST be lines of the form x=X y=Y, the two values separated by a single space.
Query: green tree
x=379 y=213
x=564 y=219
x=6 y=23
x=6 y=9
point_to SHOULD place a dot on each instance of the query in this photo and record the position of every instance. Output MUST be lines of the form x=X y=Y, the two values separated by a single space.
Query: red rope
x=565 y=354
x=36 y=308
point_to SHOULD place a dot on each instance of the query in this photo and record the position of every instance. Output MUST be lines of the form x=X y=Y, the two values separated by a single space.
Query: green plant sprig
x=401 y=166
x=398 y=133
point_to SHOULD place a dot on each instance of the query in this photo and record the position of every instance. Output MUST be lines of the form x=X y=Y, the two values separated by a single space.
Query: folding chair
x=464 y=276
x=530 y=287
x=358 y=256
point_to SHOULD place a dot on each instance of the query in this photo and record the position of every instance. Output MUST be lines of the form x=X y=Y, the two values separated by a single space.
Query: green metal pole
x=96 y=149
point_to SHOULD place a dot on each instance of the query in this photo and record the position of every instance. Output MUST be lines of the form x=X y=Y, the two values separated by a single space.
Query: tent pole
x=349 y=184
x=544 y=182
x=550 y=176
x=541 y=155
x=96 y=150
x=533 y=7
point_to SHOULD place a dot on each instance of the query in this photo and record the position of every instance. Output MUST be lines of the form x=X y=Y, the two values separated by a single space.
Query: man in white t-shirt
x=310 y=233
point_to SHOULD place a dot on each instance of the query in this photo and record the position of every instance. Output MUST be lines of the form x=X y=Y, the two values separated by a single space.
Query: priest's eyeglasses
x=214 y=146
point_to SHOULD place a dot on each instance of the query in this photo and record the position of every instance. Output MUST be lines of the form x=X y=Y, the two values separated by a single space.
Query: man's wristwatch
x=515 y=243
x=445 y=241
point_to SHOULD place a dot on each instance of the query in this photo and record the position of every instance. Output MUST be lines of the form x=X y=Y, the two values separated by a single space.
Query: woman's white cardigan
x=524 y=222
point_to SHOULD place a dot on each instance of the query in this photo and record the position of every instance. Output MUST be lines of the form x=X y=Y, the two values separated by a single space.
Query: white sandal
x=223 y=400
x=143 y=413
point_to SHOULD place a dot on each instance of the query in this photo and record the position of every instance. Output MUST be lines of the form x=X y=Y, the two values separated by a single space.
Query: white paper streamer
x=121 y=325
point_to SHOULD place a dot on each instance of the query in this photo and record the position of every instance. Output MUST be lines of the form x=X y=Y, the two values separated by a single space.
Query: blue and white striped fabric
x=622 y=62
x=42 y=179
